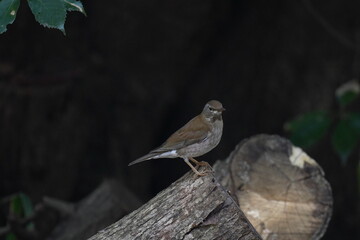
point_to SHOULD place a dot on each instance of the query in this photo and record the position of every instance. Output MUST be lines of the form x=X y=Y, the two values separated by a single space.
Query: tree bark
x=191 y=208
x=281 y=190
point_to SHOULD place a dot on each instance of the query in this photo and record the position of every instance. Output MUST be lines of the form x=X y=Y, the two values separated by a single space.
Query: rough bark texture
x=281 y=190
x=108 y=203
x=191 y=208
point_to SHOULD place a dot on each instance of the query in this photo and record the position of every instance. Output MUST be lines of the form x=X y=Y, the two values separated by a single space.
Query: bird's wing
x=196 y=130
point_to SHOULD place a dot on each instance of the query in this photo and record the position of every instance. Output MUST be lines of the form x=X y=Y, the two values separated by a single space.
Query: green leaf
x=347 y=98
x=21 y=205
x=345 y=138
x=49 y=13
x=26 y=204
x=354 y=121
x=27 y=207
x=347 y=93
x=10 y=236
x=73 y=5
x=308 y=129
x=16 y=208
x=8 y=10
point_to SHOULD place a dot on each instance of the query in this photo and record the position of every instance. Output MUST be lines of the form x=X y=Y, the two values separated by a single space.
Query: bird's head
x=213 y=110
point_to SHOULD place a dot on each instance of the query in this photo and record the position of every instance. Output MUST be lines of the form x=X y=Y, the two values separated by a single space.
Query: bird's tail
x=149 y=156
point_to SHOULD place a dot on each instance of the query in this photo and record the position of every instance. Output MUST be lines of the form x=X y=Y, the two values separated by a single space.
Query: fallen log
x=191 y=208
x=281 y=190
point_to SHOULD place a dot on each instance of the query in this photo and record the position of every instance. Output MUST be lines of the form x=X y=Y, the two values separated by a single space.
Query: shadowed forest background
x=76 y=109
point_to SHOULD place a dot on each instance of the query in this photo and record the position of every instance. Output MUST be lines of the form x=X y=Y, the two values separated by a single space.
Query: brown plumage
x=200 y=135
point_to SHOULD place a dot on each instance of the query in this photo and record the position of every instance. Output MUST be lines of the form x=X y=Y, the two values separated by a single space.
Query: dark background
x=76 y=109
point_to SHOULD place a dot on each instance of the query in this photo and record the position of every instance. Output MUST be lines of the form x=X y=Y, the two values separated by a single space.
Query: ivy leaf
x=16 y=206
x=26 y=204
x=345 y=138
x=10 y=236
x=308 y=129
x=354 y=121
x=8 y=10
x=49 y=13
x=27 y=207
x=347 y=93
x=21 y=206
x=73 y=5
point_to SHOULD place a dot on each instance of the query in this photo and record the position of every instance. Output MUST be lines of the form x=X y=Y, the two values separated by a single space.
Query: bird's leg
x=194 y=169
x=202 y=163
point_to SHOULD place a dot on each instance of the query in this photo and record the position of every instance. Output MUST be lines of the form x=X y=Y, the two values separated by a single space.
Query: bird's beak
x=222 y=109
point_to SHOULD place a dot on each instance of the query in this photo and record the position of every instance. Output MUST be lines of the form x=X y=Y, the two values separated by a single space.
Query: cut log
x=281 y=190
x=191 y=208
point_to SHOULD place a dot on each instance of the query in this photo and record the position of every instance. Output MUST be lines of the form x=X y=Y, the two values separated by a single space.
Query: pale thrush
x=199 y=136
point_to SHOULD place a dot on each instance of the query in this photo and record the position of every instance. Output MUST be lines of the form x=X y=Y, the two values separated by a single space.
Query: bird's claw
x=204 y=173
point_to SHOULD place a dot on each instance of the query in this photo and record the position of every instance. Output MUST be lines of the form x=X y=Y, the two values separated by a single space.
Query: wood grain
x=281 y=190
x=191 y=208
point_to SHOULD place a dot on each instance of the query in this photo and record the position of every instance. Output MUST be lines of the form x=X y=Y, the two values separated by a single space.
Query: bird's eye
x=211 y=109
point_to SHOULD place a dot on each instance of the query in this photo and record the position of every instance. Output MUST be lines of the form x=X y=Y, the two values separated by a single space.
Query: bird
x=197 y=137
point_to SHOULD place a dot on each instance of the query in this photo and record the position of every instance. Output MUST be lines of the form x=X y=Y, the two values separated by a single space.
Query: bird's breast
x=211 y=141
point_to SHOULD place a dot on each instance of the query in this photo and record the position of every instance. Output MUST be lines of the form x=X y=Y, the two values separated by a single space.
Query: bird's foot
x=200 y=164
x=203 y=173
x=197 y=163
